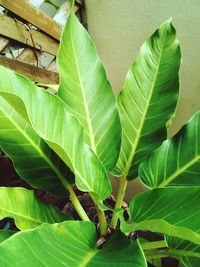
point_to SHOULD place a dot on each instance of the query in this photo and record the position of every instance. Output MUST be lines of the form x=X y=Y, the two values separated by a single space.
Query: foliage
x=83 y=133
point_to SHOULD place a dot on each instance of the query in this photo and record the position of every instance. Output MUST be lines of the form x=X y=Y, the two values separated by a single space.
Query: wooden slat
x=29 y=56
x=14 y=29
x=34 y=73
x=33 y=15
x=3 y=43
x=53 y=66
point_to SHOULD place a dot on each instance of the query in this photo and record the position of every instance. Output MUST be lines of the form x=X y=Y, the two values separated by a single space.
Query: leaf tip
x=169 y=20
x=167 y=23
x=71 y=3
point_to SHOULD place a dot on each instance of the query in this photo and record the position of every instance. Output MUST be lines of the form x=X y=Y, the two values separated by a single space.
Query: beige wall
x=119 y=27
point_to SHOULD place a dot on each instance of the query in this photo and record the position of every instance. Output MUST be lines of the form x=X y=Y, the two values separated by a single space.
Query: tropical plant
x=83 y=133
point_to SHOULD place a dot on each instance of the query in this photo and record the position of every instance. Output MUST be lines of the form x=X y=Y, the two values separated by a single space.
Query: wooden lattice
x=29 y=39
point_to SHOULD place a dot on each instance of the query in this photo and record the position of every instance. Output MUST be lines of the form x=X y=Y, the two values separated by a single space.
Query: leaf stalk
x=102 y=218
x=76 y=203
x=119 y=200
x=153 y=245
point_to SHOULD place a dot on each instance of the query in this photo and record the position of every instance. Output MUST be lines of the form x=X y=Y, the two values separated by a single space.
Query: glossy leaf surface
x=51 y=120
x=148 y=99
x=34 y=161
x=187 y=252
x=173 y=211
x=21 y=205
x=88 y=94
x=5 y=234
x=177 y=161
x=69 y=244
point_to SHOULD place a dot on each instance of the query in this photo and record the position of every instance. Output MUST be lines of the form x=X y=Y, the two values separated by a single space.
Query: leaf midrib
x=89 y=123
x=144 y=224
x=36 y=147
x=87 y=259
x=178 y=172
x=84 y=248
x=21 y=216
x=184 y=253
x=134 y=148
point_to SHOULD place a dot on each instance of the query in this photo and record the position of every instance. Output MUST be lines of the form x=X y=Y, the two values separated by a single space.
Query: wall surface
x=118 y=29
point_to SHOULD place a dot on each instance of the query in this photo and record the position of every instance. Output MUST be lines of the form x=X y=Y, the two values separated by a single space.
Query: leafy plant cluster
x=83 y=133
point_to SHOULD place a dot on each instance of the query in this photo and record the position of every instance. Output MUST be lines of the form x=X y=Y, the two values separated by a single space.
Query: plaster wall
x=118 y=29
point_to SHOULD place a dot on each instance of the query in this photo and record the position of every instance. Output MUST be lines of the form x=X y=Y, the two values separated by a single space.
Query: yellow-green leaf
x=177 y=161
x=173 y=211
x=52 y=121
x=85 y=89
x=34 y=161
x=68 y=244
x=21 y=205
x=148 y=99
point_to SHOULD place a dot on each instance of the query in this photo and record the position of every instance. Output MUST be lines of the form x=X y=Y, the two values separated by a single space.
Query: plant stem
x=155 y=250
x=153 y=245
x=102 y=218
x=75 y=201
x=119 y=200
x=156 y=255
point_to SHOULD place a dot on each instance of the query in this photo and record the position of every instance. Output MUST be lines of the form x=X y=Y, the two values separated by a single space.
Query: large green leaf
x=187 y=252
x=34 y=161
x=21 y=205
x=69 y=244
x=51 y=120
x=173 y=211
x=177 y=161
x=148 y=100
x=4 y=234
x=86 y=91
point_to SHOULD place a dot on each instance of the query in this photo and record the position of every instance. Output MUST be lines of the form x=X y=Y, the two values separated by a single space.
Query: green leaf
x=51 y=120
x=148 y=99
x=186 y=252
x=189 y=262
x=88 y=94
x=34 y=161
x=53 y=3
x=21 y=205
x=5 y=234
x=69 y=244
x=177 y=161
x=173 y=211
